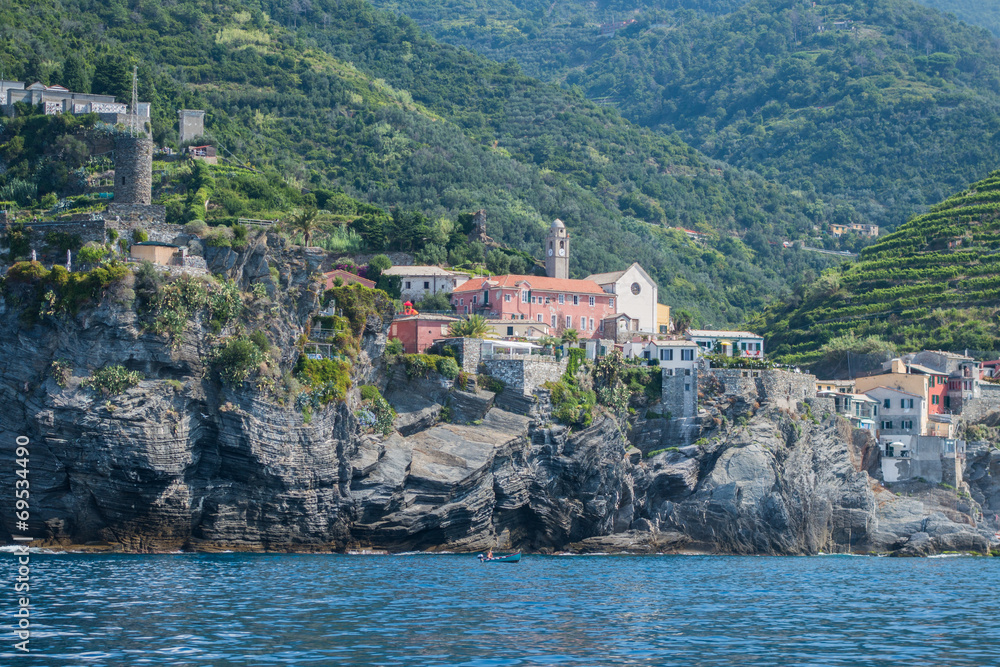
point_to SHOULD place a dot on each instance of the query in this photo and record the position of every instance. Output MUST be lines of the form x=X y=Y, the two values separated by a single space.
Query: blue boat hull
x=510 y=558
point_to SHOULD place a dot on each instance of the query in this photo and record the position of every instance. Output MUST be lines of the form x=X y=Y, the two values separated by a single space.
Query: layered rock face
x=181 y=462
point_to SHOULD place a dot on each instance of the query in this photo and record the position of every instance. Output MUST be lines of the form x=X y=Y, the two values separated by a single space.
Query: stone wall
x=821 y=406
x=977 y=409
x=679 y=395
x=524 y=375
x=87 y=230
x=785 y=388
x=779 y=387
x=149 y=217
x=468 y=352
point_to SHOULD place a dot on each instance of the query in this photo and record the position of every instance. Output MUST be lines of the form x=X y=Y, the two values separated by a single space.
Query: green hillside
x=932 y=284
x=886 y=105
x=337 y=96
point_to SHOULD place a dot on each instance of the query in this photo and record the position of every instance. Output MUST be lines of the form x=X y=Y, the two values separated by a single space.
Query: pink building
x=418 y=332
x=559 y=302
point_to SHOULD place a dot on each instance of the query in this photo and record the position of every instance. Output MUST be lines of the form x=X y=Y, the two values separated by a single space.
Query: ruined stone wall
x=782 y=388
x=679 y=395
x=149 y=217
x=468 y=352
x=979 y=408
x=524 y=375
x=736 y=382
x=87 y=230
x=822 y=406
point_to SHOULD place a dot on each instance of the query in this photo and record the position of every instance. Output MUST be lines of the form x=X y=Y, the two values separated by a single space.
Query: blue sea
x=258 y=609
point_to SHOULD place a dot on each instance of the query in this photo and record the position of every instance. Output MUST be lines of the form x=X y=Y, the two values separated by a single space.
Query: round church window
x=636 y=288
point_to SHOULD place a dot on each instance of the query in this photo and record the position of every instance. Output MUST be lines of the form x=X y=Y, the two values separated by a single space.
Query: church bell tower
x=557 y=251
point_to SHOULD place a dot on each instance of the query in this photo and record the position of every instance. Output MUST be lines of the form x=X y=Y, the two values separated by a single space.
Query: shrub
x=376 y=413
x=394 y=347
x=139 y=236
x=259 y=338
x=196 y=228
x=447 y=367
x=577 y=357
x=61 y=371
x=419 y=365
x=112 y=380
x=660 y=451
x=92 y=253
x=490 y=383
x=236 y=359
x=571 y=404
x=328 y=380
x=358 y=303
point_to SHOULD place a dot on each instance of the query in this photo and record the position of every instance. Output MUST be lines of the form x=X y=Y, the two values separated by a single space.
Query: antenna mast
x=134 y=120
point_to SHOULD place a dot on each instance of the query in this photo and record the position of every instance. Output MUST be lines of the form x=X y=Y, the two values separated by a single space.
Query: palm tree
x=474 y=326
x=570 y=336
x=548 y=342
x=682 y=321
x=305 y=221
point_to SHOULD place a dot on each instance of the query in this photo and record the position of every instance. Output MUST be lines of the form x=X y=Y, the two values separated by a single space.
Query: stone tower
x=133 y=170
x=557 y=251
x=191 y=124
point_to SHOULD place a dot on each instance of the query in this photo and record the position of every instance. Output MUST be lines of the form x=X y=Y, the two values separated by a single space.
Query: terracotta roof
x=537 y=283
x=430 y=317
x=347 y=277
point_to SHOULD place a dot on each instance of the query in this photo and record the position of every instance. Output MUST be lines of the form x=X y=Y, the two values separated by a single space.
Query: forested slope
x=932 y=284
x=887 y=106
x=339 y=95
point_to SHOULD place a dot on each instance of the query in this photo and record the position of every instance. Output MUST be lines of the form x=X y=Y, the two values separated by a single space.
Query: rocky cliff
x=183 y=460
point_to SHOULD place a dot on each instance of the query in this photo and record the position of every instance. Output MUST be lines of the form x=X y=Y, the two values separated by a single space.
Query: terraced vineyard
x=932 y=284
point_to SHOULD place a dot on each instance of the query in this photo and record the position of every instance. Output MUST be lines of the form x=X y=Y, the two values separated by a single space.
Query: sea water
x=258 y=609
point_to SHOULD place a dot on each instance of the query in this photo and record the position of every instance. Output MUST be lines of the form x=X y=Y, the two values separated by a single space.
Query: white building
x=636 y=293
x=678 y=356
x=417 y=281
x=900 y=413
x=728 y=343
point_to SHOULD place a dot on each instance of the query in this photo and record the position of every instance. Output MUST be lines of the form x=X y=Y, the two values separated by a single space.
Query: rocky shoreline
x=182 y=463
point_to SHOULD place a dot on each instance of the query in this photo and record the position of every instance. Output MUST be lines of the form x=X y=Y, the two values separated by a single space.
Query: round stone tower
x=133 y=170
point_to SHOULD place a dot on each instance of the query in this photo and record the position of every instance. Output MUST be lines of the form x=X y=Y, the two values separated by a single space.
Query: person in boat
x=489 y=554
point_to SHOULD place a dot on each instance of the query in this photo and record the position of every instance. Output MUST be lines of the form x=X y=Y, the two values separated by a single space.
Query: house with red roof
x=347 y=278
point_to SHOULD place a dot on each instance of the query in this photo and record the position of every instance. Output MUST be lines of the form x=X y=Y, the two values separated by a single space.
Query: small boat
x=509 y=558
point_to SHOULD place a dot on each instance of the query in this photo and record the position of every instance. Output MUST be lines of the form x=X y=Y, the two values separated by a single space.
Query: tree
x=497 y=261
x=474 y=326
x=570 y=336
x=682 y=321
x=75 y=75
x=111 y=77
x=305 y=221
x=439 y=301
x=378 y=265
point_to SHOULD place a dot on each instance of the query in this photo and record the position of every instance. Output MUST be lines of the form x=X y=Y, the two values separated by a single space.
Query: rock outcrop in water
x=180 y=461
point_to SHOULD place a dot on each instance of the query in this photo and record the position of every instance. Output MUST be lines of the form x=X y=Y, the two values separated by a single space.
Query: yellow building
x=838 y=386
x=157 y=253
x=898 y=378
x=662 y=318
